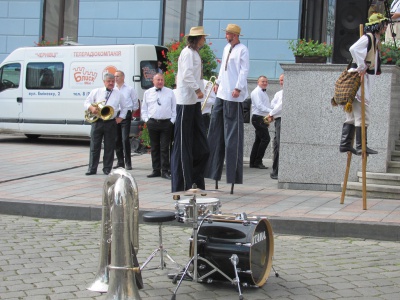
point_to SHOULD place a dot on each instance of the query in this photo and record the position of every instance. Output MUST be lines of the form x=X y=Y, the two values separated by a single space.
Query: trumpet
x=208 y=89
x=105 y=112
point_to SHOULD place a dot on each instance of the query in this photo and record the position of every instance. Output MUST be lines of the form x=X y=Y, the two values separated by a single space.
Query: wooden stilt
x=363 y=146
x=346 y=177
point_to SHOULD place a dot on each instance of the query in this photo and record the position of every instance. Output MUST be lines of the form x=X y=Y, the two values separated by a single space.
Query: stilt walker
x=366 y=62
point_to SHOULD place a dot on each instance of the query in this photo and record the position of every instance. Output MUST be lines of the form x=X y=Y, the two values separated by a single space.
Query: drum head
x=262 y=250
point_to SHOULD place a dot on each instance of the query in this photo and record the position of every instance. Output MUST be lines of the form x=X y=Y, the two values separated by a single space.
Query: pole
x=346 y=176
x=363 y=142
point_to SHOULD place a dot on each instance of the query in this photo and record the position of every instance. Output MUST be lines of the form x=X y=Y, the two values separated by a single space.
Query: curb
x=291 y=226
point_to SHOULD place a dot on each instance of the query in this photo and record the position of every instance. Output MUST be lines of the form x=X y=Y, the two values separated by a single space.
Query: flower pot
x=311 y=59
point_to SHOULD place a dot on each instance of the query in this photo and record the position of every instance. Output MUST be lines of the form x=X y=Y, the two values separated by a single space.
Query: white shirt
x=235 y=76
x=276 y=104
x=211 y=98
x=260 y=102
x=159 y=105
x=395 y=8
x=188 y=79
x=130 y=95
x=359 y=52
x=116 y=100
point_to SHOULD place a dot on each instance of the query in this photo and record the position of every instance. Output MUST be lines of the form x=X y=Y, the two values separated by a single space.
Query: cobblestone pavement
x=56 y=259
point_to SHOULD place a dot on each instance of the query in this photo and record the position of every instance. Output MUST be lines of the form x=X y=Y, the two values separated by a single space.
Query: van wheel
x=32 y=136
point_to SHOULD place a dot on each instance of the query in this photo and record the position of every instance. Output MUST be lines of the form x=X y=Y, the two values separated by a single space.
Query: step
x=395 y=155
x=381 y=178
x=394 y=167
x=374 y=190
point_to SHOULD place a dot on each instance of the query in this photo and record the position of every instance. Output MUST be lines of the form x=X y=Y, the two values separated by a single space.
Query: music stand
x=195 y=258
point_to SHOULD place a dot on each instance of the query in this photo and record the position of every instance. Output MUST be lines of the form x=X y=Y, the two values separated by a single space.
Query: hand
x=118 y=120
x=235 y=93
x=216 y=88
x=200 y=95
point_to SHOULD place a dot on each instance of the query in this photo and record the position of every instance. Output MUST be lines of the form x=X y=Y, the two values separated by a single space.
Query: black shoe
x=118 y=166
x=106 y=172
x=166 y=175
x=261 y=166
x=90 y=173
x=273 y=176
x=154 y=174
x=128 y=167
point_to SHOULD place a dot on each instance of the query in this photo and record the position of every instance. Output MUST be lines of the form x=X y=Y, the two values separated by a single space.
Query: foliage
x=301 y=47
x=390 y=54
x=144 y=136
x=174 y=50
x=43 y=43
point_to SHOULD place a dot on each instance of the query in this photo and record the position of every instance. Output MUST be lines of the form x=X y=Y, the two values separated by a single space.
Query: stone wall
x=311 y=127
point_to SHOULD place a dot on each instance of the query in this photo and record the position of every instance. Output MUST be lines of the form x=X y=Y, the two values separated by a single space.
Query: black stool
x=159 y=217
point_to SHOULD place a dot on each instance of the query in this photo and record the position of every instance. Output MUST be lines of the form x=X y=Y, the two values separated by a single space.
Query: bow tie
x=264 y=90
x=108 y=90
x=157 y=90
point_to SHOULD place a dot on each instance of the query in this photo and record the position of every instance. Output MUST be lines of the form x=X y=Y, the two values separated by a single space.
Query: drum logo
x=259 y=237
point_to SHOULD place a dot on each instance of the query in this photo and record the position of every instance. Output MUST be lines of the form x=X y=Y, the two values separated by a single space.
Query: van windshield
x=10 y=76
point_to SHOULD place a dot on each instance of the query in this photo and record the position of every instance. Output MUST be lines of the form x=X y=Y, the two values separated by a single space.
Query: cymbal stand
x=195 y=258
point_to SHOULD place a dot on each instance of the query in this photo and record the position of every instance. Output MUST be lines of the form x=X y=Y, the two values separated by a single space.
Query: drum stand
x=195 y=258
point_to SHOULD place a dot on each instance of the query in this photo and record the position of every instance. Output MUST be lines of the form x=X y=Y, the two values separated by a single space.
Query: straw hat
x=376 y=19
x=233 y=28
x=196 y=31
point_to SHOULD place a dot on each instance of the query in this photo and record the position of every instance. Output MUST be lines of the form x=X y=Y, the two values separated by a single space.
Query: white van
x=42 y=89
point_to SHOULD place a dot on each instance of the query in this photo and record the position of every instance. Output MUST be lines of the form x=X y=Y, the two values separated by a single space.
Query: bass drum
x=251 y=240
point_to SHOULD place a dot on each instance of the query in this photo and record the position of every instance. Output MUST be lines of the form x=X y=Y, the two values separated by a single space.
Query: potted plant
x=310 y=51
x=390 y=54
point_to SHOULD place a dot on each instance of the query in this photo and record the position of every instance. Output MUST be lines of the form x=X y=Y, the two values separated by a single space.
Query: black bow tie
x=108 y=90
x=264 y=90
x=157 y=90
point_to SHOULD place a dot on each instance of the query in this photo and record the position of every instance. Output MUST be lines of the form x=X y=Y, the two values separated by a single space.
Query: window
x=148 y=68
x=179 y=16
x=44 y=76
x=9 y=76
x=60 y=20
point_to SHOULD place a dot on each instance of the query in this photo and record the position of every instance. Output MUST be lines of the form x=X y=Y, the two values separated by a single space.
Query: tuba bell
x=118 y=272
x=105 y=112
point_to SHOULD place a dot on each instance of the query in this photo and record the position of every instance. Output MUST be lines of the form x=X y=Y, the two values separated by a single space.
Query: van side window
x=148 y=68
x=9 y=76
x=44 y=76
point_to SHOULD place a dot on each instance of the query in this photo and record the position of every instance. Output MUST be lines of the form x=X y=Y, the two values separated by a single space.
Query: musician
x=190 y=151
x=225 y=135
x=261 y=107
x=366 y=61
x=159 y=112
x=275 y=115
x=104 y=129
x=123 y=145
x=395 y=14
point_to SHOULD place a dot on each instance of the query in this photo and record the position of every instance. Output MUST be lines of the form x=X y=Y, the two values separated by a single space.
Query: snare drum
x=251 y=240
x=205 y=206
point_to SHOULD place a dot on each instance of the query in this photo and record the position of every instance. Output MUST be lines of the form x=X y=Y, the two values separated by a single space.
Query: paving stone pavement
x=53 y=259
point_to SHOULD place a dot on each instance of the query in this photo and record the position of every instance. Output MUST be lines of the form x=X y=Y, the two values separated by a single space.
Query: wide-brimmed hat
x=196 y=31
x=233 y=28
x=376 y=19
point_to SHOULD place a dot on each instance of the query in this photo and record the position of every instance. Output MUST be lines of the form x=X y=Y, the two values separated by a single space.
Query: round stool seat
x=159 y=216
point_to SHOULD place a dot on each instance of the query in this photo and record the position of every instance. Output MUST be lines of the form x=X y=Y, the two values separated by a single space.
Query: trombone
x=208 y=89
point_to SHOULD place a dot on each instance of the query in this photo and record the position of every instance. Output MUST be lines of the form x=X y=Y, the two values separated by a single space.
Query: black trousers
x=160 y=140
x=277 y=141
x=225 y=138
x=261 y=141
x=122 y=144
x=190 y=151
x=106 y=130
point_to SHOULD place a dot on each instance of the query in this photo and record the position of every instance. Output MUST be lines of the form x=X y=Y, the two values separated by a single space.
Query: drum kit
x=235 y=248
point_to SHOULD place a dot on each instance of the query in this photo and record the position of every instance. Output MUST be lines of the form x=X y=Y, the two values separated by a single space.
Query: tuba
x=105 y=112
x=118 y=272
x=208 y=89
